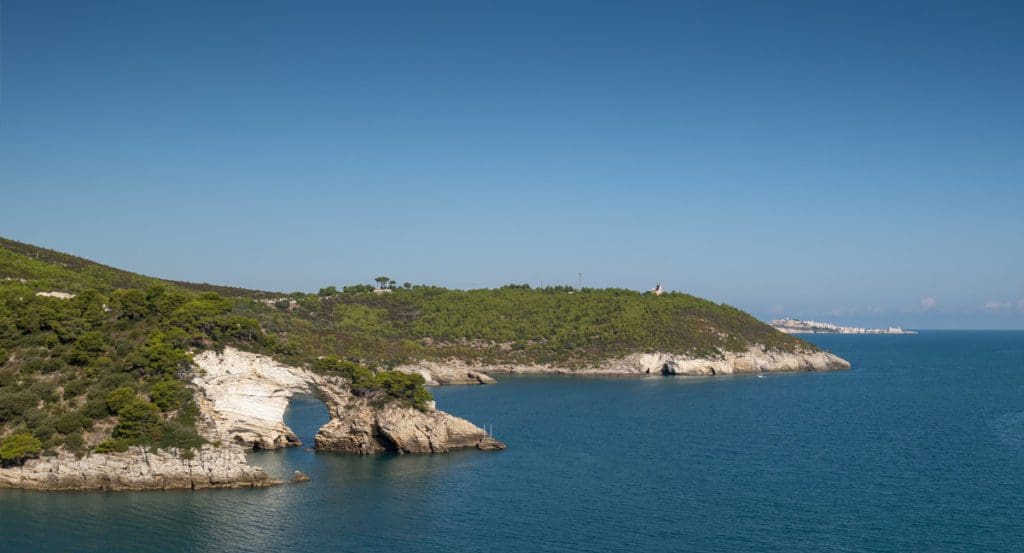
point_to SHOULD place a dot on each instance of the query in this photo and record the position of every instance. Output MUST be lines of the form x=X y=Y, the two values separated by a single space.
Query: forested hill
x=94 y=357
x=514 y=323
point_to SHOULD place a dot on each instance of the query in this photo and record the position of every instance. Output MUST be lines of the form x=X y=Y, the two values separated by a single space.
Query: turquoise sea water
x=920 y=447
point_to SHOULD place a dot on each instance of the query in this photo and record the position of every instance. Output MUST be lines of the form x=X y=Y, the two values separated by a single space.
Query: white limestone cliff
x=754 y=360
x=243 y=397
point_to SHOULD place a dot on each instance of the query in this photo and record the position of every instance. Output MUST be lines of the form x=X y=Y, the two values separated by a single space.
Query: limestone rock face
x=754 y=360
x=138 y=469
x=440 y=374
x=365 y=430
x=243 y=397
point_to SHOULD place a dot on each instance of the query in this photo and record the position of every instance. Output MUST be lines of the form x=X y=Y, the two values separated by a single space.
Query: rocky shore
x=242 y=398
x=754 y=360
x=138 y=469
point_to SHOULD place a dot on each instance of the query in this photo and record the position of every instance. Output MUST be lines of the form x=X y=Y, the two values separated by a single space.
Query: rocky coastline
x=753 y=360
x=242 y=398
x=138 y=469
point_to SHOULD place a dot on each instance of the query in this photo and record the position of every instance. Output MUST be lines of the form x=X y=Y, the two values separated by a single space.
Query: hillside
x=110 y=366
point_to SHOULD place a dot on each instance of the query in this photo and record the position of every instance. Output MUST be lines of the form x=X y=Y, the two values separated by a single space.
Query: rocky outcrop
x=138 y=469
x=243 y=397
x=360 y=428
x=754 y=360
x=442 y=374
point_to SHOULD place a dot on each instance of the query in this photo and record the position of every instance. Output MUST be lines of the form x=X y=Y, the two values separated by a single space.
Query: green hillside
x=106 y=368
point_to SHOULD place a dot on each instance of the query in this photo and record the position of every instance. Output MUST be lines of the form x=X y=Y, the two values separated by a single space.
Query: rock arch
x=243 y=396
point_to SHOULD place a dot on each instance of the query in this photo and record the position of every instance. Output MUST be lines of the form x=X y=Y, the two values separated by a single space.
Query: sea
x=919 y=447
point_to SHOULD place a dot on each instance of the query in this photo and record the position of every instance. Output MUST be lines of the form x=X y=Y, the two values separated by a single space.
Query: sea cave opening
x=305 y=415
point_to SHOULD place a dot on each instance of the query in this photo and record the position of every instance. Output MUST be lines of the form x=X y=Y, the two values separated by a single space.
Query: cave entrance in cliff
x=305 y=415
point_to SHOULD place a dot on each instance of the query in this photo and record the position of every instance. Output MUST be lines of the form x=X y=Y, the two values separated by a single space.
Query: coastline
x=242 y=398
x=753 y=360
x=138 y=469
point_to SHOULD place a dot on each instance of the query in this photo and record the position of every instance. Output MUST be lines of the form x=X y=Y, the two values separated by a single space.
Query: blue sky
x=852 y=161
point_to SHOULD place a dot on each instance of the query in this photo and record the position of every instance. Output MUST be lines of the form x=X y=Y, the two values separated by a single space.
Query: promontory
x=112 y=380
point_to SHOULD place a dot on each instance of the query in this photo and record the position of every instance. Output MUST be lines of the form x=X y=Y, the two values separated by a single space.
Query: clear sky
x=850 y=161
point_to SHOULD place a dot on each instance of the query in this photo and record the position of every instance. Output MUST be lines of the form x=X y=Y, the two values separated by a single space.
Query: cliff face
x=243 y=397
x=138 y=469
x=754 y=360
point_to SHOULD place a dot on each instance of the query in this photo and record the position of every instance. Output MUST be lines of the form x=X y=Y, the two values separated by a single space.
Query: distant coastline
x=796 y=326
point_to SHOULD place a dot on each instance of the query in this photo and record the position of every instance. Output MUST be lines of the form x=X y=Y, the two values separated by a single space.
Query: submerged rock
x=299 y=477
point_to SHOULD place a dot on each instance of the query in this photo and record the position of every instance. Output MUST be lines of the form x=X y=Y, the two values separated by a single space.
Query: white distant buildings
x=796 y=326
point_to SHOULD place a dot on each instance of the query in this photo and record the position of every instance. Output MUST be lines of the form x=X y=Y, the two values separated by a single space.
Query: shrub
x=69 y=423
x=96 y=408
x=111 y=445
x=14 y=404
x=44 y=390
x=158 y=358
x=75 y=388
x=408 y=388
x=119 y=398
x=169 y=394
x=132 y=303
x=87 y=347
x=136 y=422
x=360 y=378
x=17 y=447
x=40 y=423
x=74 y=441
x=8 y=378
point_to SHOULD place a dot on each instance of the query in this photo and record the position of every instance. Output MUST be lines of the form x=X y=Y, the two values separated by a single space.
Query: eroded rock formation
x=360 y=428
x=243 y=397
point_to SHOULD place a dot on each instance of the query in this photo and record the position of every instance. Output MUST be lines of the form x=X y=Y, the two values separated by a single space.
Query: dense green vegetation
x=512 y=324
x=108 y=368
x=379 y=385
x=17 y=447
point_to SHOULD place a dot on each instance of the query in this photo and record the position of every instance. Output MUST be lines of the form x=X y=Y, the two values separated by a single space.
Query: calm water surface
x=918 y=448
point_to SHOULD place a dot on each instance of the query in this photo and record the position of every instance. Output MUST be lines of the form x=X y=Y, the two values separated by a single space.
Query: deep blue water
x=918 y=448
